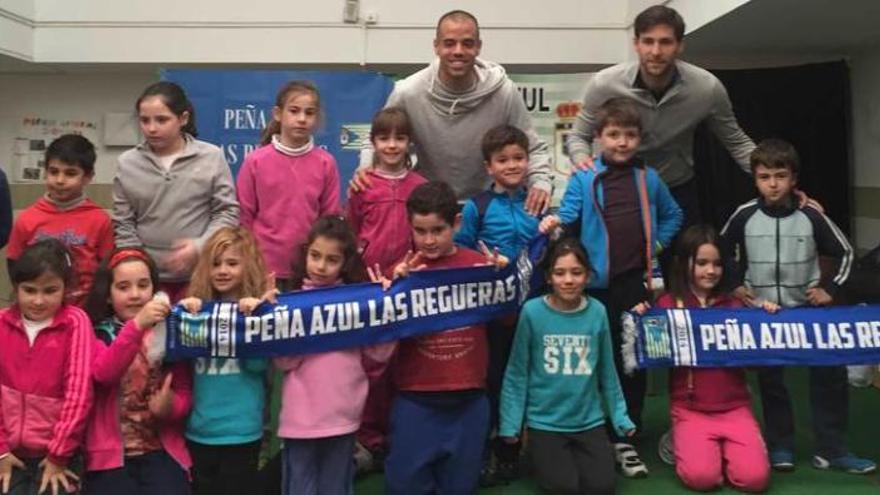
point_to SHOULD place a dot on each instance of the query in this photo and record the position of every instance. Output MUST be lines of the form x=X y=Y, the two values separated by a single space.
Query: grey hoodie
x=448 y=127
x=153 y=207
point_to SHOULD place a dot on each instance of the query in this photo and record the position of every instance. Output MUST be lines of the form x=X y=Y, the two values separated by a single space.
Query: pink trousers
x=713 y=446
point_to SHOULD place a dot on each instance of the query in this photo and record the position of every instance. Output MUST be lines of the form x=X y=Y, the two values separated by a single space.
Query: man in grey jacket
x=673 y=97
x=452 y=103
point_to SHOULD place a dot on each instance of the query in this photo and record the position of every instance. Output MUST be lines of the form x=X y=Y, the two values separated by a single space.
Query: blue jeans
x=829 y=403
x=318 y=466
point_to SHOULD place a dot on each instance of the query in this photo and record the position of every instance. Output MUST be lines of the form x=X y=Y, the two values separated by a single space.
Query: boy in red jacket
x=66 y=214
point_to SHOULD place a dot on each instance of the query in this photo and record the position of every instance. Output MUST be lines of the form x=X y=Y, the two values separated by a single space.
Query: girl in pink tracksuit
x=45 y=361
x=378 y=213
x=285 y=185
x=715 y=436
x=378 y=216
x=134 y=440
x=323 y=394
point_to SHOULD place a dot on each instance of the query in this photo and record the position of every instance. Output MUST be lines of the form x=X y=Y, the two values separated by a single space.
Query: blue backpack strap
x=481 y=201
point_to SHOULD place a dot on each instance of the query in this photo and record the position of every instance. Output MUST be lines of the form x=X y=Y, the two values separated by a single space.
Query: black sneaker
x=507 y=472
x=489 y=477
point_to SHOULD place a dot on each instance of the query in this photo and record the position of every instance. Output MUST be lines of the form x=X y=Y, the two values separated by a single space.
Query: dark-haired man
x=673 y=97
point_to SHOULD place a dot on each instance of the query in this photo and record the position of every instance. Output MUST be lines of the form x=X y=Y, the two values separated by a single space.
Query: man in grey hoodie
x=452 y=103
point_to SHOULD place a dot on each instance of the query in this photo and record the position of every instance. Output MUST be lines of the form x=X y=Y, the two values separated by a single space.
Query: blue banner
x=233 y=106
x=752 y=337
x=346 y=316
x=356 y=315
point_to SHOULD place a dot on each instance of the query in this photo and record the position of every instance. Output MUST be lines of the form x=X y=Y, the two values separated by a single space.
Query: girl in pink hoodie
x=134 y=439
x=323 y=394
x=45 y=361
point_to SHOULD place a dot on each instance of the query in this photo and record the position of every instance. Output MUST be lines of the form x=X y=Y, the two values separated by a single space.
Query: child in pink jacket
x=134 y=440
x=323 y=394
x=45 y=361
x=378 y=216
x=378 y=213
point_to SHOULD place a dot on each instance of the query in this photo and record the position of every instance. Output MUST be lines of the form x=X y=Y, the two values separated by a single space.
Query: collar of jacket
x=778 y=211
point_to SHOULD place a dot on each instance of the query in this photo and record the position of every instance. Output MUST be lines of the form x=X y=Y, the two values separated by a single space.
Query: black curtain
x=809 y=106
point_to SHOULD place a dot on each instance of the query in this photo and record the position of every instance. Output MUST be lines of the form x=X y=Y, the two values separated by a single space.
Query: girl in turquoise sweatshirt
x=225 y=428
x=561 y=359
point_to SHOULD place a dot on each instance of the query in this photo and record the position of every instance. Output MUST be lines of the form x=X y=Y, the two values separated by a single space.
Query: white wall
x=389 y=11
x=865 y=77
x=865 y=84
x=16 y=28
x=312 y=32
x=70 y=96
x=308 y=32
x=698 y=13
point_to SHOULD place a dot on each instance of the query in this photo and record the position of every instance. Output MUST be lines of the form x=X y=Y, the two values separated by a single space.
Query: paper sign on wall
x=34 y=135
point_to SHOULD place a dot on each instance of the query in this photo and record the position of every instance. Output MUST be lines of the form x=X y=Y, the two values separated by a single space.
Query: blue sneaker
x=848 y=463
x=782 y=460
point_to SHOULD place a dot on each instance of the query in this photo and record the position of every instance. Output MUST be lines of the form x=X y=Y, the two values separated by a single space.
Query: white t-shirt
x=168 y=160
x=32 y=328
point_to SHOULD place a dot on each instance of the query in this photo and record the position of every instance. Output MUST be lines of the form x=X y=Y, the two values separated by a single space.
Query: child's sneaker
x=506 y=460
x=507 y=472
x=781 y=460
x=848 y=463
x=628 y=461
x=666 y=449
x=489 y=477
x=363 y=460
x=379 y=456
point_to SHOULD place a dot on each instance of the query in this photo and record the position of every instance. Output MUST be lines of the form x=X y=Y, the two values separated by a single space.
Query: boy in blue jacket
x=626 y=216
x=498 y=218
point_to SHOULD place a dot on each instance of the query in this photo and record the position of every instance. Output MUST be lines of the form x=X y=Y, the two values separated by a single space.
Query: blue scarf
x=752 y=337
x=346 y=316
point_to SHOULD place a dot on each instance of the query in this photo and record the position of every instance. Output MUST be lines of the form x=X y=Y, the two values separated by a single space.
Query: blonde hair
x=253 y=281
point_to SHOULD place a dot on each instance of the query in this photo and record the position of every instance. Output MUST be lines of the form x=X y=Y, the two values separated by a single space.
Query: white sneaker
x=628 y=461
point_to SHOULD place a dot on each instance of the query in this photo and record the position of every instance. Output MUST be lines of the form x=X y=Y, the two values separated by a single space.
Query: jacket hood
x=490 y=77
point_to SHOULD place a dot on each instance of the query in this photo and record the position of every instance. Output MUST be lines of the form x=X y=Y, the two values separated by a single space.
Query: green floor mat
x=864 y=440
